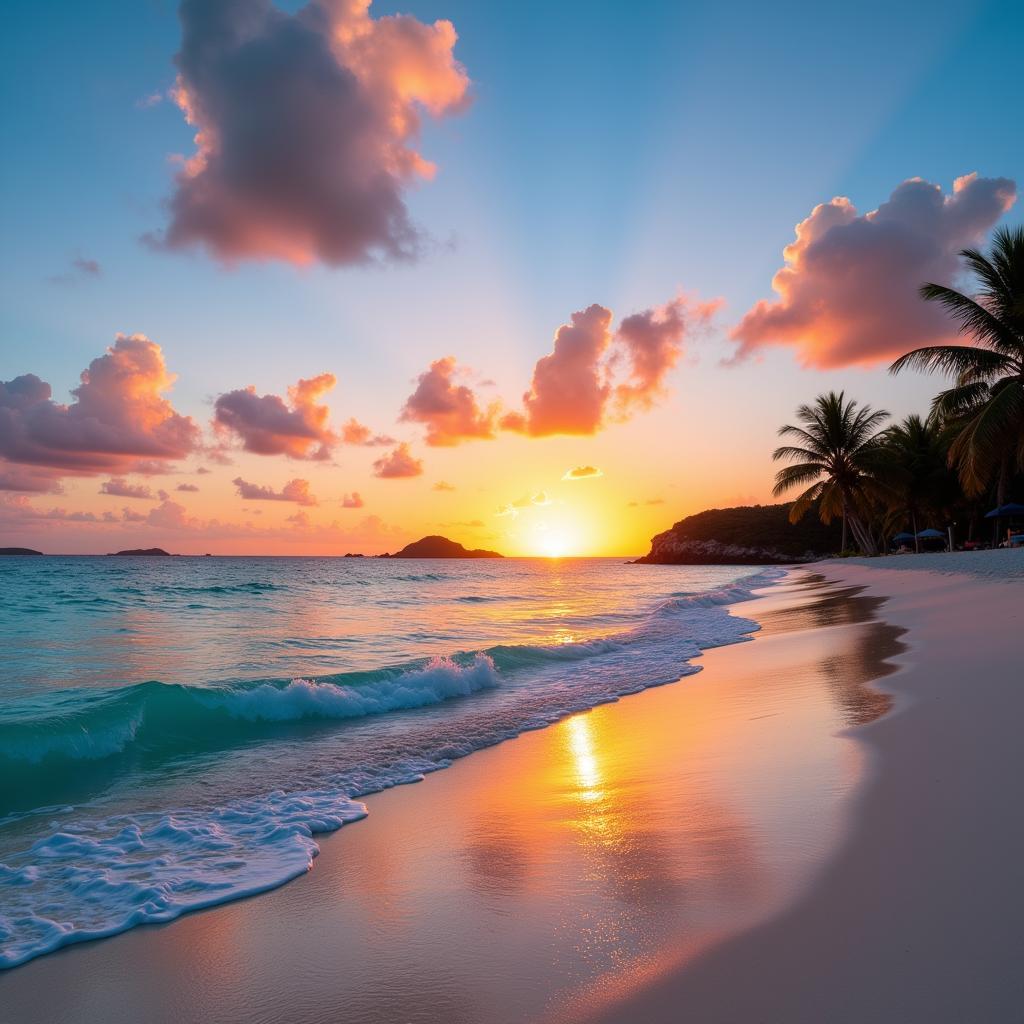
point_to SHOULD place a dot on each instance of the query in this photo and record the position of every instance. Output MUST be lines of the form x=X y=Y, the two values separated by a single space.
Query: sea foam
x=92 y=877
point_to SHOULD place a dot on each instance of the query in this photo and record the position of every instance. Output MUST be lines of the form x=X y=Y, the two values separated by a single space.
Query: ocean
x=176 y=732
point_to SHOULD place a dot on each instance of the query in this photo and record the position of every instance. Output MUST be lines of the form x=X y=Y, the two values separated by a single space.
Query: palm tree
x=837 y=449
x=912 y=473
x=986 y=402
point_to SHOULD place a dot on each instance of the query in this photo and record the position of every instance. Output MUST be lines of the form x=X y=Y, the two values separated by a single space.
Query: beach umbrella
x=931 y=535
x=1005 y=511
x=903 y=536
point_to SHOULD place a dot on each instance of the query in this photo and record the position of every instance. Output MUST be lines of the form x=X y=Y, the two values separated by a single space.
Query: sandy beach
x=918 y=917
x=689 y=849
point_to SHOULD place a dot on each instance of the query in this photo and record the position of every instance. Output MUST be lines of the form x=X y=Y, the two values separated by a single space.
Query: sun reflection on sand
x=588 y=770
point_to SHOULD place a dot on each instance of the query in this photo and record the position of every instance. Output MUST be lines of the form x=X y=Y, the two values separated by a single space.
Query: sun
x=554 y=544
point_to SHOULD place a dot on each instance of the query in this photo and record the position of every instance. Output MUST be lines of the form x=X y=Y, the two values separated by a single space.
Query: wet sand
x=920 y=915
x=549 y=877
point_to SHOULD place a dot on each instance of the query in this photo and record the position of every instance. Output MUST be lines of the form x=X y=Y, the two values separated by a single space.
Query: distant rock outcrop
x=142 y=551
x=440 y=547
x=19 y=551
x=745 y=535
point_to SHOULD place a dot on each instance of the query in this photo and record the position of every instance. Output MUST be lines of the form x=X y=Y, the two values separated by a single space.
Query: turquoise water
x=174 y=732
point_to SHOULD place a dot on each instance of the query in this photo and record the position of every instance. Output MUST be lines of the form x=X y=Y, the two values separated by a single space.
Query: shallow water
x=174 y=732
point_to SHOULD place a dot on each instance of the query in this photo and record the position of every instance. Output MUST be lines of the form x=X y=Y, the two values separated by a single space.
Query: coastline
x=575 y=856
x=918 y=915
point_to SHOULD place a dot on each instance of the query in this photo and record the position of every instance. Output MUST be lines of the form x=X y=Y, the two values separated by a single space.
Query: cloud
x=190 y=488
x=443 y=485
x=397 y=464
x=295 y=490
x=267 y=425
x=569 y=388
x=354 y=432
x=306 y=128
x=80 y=269
x=28 y=479
x=650 y=501
x=540 y=500
x=593 y=373
x=507 y=510
x=848 y=294
x=449 y=411
x=203 y=471
x=582 y=473
x=118 y=421
x=650 y=344
x=353 y=500
x=120 y=488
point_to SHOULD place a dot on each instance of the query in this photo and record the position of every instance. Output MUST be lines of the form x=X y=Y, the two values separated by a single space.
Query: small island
x=440 y=547
x=141 y=552
x=19 y=551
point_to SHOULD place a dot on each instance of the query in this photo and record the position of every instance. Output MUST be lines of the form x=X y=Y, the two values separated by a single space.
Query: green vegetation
x=745 y=535
x=951 y=466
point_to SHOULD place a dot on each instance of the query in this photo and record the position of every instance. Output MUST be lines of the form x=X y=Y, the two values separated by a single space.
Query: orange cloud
x=582 y=473
x=118 y=422
x=295 y=490
x=569 y=388
x=449 y=411
x=848 y=294
x=353 y=500
x=356 y=433
x=398 y=464
x=267 y=425
x=593 y=372
x=306 y=128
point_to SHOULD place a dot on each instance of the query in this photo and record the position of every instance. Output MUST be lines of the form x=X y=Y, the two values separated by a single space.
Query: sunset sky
x=338 y=278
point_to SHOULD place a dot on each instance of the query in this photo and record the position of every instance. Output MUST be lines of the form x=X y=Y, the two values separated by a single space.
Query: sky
x=311 y=279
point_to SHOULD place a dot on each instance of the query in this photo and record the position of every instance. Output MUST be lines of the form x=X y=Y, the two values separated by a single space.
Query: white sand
x=920 y=917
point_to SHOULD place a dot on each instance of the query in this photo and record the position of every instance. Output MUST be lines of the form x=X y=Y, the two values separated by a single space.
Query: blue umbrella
x=1005 y=511
x=931 y=535
x=904 y=536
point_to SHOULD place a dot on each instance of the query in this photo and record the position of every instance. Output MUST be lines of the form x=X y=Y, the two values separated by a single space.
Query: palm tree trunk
x=1001 y=485
x=842 y=549
x=863 y=537
x=913 y=526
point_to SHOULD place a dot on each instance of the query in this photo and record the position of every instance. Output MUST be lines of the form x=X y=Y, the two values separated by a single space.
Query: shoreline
x=584 y=851
x=917 y=916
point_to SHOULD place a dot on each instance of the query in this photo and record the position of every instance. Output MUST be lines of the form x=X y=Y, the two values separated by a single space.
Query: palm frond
x=955 y=361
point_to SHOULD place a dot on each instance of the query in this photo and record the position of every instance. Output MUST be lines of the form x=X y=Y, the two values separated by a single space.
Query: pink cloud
x=398 y=464
x=848 y=294
x=295 y=490
x=306 y=128
x=267 y=425
x=189 y=488
x=121 y=488
x=650 y=343
x=119 y=421
x=356 y=433
x=353 y=500
x=169 y=525
x=449 y=410
x=29 y=479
